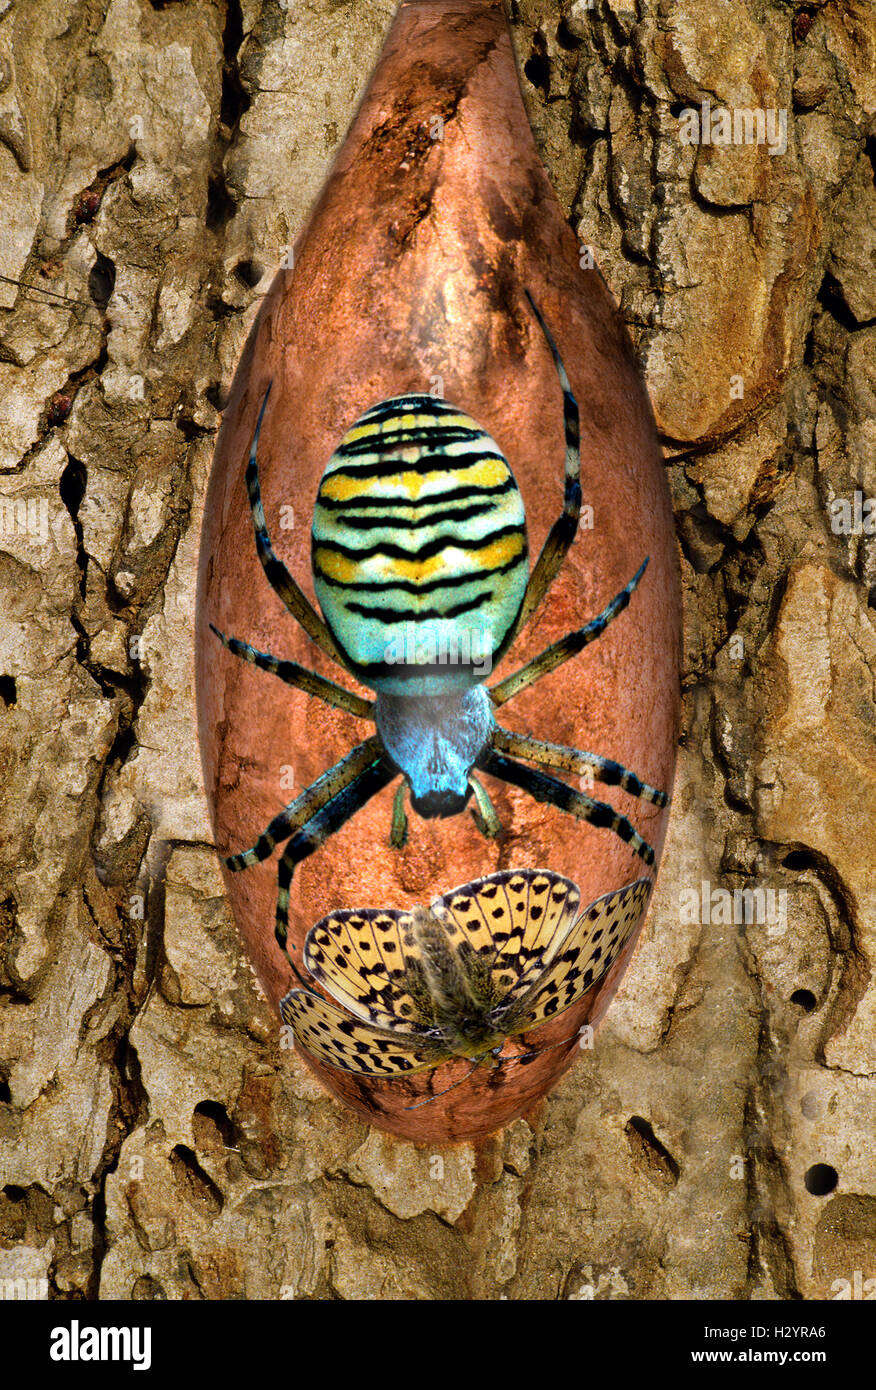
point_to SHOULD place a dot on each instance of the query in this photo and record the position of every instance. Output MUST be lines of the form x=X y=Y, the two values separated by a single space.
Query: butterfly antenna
x=524 y=1056
x=428 y=1101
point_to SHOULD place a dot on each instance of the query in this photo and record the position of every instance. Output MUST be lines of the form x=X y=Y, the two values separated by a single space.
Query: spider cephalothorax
x=420 y=568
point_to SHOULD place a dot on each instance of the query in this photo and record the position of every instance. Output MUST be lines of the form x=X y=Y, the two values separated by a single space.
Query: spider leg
x=278 y=576
x=349 y=799
x=305 y=806
x=484 y=812
x=398 y=835
x=550 y=789
x=562 y=533
x=572 y=760
x=293 y=674
x=568 y=646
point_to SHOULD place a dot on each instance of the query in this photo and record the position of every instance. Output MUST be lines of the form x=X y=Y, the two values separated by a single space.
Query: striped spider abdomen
x=419 y=548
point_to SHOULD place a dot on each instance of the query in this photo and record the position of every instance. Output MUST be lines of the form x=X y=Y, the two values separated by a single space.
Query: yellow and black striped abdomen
x=419 y=547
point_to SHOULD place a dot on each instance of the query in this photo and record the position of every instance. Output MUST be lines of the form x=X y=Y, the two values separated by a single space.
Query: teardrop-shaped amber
x=411 y=277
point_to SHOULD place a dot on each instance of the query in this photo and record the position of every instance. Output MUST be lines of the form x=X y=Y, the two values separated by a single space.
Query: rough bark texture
x=155 y=161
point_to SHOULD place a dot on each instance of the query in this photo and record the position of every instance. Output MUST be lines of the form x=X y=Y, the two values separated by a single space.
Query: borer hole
x=249 y=273
x=804 y=999
x=820 y=1179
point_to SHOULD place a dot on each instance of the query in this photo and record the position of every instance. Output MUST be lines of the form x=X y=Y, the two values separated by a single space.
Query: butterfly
x=495 y=957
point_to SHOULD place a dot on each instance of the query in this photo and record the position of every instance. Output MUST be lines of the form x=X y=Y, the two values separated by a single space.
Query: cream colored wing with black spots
x=515 y=920
x=332 y=1036
x=369 y=960
x=589 y=951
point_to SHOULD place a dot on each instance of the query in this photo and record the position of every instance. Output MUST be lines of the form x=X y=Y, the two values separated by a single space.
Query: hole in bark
x=831 y=298
x=804 y=999
x=807 y=860
x=8 y=690
x=5 y=1093
x=820 y=1179
x=200 y=1189
x=645 y=1145
x=249 y=273
x=102 y=281
x=212 y=1127
x=72 y=486
x=565 y=38
x=122 y=747
x=221 y=207
x=538 y=71
x=147 y=1289
x=235 y=98
x=799 y=859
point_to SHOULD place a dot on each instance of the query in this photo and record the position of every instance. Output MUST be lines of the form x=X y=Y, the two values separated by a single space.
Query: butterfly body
x=458 y=997
x=496 y=957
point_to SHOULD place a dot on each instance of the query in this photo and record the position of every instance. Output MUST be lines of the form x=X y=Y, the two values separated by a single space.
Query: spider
x=419 y=556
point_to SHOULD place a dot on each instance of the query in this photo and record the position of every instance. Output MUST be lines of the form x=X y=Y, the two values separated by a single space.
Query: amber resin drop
x=411 y=277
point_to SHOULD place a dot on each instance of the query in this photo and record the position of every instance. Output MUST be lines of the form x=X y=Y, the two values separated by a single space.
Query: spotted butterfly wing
x=369 y=961
x=515 y=921
x=587 y=953
x=332 y=1036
